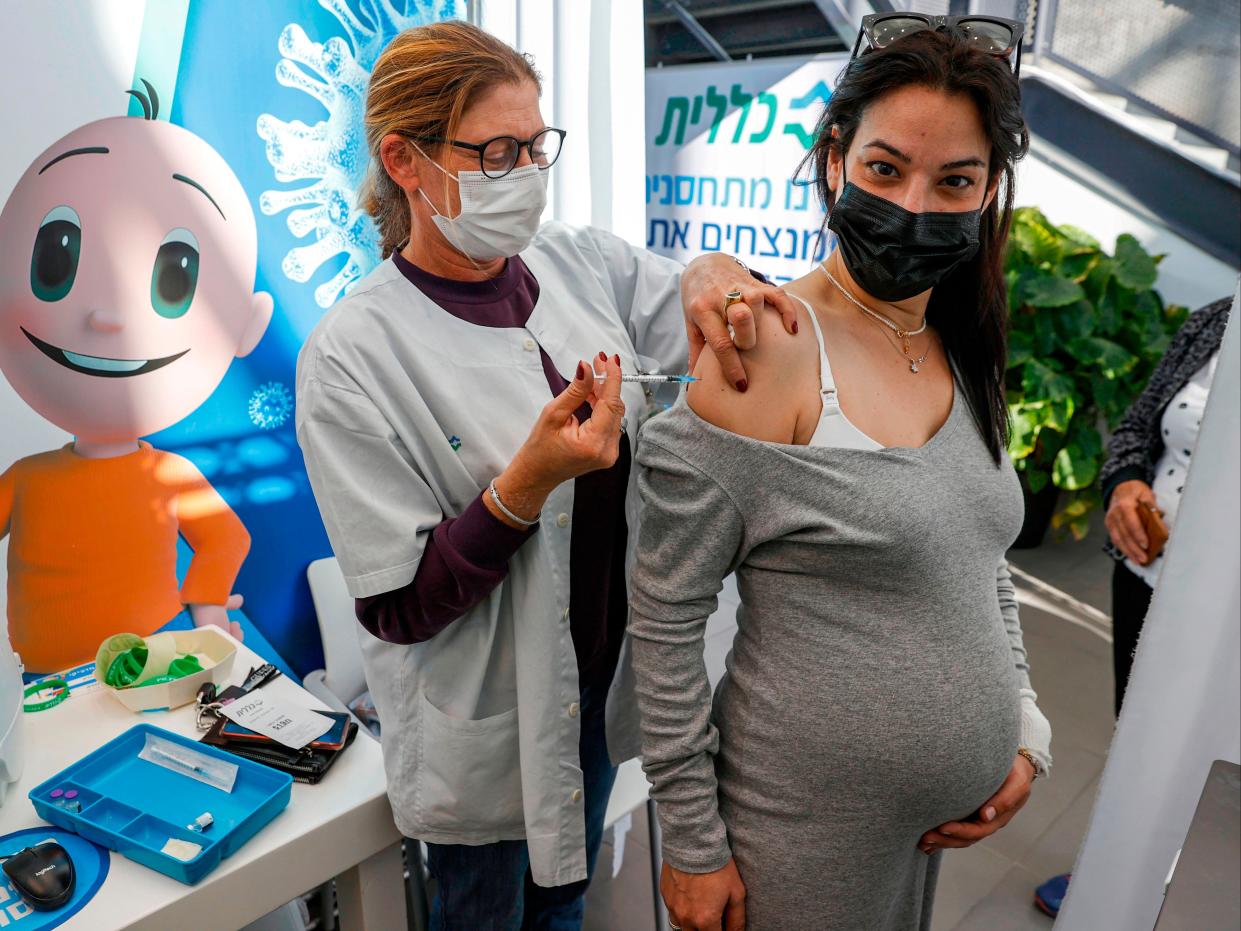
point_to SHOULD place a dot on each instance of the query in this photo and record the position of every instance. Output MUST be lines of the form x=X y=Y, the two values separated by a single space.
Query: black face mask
x=893 y=253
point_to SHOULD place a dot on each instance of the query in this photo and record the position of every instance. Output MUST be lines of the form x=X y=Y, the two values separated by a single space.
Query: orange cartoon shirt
x=93 y=549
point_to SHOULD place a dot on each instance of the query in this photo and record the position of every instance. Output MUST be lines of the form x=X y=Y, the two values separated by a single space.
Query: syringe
x=653 y=379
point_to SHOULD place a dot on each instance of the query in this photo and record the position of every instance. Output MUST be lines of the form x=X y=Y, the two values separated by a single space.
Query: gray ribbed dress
x=872 y=690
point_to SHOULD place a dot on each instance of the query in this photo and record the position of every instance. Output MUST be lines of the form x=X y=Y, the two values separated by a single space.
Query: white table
x=340 y=828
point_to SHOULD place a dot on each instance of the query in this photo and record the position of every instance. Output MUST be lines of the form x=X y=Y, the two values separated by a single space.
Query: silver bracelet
x=495 y=496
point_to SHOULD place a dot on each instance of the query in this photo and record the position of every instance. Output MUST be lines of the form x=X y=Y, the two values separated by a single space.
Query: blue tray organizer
x=134 y=807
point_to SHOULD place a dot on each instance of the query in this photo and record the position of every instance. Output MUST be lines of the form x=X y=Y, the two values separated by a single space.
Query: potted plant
x=1087 y=329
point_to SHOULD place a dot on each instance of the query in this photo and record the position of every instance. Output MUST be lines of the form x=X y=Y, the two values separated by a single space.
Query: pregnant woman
x=877 y=705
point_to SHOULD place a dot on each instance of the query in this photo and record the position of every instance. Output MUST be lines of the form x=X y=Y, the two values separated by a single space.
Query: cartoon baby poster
x=127 y=257
x=262 y=128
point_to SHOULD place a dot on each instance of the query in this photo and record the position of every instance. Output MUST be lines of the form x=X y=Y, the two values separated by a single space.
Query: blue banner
x=280 y=97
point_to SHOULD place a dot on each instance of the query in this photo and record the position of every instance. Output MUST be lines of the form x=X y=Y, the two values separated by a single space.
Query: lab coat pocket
x=469 y=777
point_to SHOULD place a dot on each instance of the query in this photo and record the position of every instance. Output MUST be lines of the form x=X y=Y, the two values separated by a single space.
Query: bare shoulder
x=778 y=369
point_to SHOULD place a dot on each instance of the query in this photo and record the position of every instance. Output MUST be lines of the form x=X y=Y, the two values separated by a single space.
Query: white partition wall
x=590 y=53
x=1183 y=705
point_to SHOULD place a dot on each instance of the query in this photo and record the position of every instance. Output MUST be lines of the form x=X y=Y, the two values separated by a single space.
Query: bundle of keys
x=210 y=702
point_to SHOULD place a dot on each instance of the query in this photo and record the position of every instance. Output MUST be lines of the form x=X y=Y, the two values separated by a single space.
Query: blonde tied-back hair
x=422 y=85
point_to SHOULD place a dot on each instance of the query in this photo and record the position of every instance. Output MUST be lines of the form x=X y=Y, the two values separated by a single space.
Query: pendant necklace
x=902 y=334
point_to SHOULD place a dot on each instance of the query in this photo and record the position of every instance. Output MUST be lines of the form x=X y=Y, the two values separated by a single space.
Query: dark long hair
x=969 y=307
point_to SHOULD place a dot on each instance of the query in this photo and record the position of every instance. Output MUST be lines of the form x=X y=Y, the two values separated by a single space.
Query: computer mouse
x=43 y=875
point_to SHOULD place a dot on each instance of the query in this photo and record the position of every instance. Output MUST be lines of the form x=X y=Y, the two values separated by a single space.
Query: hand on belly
x=994 y=813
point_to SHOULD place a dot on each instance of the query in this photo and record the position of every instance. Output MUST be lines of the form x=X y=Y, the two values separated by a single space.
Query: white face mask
x=499 y=216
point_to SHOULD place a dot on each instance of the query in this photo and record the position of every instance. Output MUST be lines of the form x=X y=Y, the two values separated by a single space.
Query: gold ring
x=732 y=297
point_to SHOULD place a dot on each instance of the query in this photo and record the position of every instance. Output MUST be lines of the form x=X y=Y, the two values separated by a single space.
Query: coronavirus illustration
x=329 y=159
x=271 y=406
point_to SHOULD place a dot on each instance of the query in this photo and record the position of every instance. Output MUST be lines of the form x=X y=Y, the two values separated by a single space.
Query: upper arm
x=8 y=490
x=376 y=506
x=1129 y=444
x=782 y=371
x=689 y=536
x=203 y=516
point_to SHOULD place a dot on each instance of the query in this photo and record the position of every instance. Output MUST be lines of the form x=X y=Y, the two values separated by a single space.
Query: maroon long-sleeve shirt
x=466 y=557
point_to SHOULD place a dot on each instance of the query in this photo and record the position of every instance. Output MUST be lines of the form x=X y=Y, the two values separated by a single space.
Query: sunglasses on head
x=993 y=35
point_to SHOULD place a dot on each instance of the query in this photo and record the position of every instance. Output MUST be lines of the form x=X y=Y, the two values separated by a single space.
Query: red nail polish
x=603 y=356
x=616 y=359
x=742 y=385
x=581 y=371
x=794 y=327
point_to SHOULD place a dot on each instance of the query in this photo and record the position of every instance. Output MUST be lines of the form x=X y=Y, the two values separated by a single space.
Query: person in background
x=1148 y=460
x=473 y=472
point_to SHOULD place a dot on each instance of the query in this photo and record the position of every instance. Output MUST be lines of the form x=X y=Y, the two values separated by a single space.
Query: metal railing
x=1178 y=59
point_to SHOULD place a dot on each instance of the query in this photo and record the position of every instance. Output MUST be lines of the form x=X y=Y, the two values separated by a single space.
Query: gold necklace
x=913 y=363
x=880 y=318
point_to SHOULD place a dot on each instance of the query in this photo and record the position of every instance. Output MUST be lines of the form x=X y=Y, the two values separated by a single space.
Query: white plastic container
x=11 y=729
x=216 y=649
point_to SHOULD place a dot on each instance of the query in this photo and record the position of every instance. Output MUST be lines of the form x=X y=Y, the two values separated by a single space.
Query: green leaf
x=1017 y=285
x=1076 y=505
x=1126 y=298
x=1073 y=514
x=1044 y=334
x=1077 y=267
x=1108 y=357
x=1050 y=442
x=1040 y=243
x=1043 y=383
x=1037 y=480
x=1052 y=415
x=1079 y=239
x=1149 y=304
x=1058 y=414
x=1078 y=461
x=1014 y=260
x=1030 y=215
x=1107 y=314
x=1098 y=277
x=1020 y=349
x=1174 y=316
x=1134 y=266
x=1023 y=434
x=1154 y=336
x=1052 y=291
x=1110 y=397
x=1074 y=321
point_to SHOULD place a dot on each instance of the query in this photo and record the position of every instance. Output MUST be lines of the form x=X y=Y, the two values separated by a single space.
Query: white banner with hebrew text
x=723 y=143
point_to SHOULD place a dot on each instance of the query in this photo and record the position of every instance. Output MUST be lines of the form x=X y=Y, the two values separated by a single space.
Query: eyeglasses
x=500 y=154
x=993 y=35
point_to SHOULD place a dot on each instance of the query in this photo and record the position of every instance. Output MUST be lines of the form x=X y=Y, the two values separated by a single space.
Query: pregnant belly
x=871 y=733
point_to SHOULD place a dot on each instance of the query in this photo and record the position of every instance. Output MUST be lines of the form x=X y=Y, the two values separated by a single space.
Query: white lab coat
x=479 y=744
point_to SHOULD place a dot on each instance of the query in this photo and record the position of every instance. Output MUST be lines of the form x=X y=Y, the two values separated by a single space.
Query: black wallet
x=305 y=765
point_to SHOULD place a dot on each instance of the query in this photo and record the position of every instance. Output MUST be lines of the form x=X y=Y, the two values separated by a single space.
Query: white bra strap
x=827 y=385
